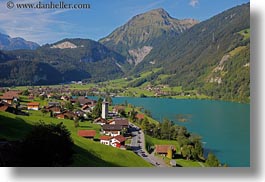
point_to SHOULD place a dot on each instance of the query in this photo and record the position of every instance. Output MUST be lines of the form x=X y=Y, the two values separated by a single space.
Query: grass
x=150 y=141
x=88 y=153
x=245 y=33
x=189 y=163
x=237 y=50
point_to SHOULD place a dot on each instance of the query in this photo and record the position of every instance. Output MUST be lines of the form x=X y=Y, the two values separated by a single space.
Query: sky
x=104 y=16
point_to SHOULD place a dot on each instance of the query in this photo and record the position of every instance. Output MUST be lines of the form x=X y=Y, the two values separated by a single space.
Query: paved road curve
x=138 y=146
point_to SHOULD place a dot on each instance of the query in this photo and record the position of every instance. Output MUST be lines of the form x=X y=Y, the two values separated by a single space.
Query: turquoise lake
x=224 y=126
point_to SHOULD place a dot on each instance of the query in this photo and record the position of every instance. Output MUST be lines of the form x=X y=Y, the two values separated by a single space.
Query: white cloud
x=36 y=25
x=194 y=3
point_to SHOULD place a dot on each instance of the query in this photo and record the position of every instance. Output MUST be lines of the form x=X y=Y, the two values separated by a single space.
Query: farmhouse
x=112 y=130
x=90 y=134
x=118 y=109
x=58 y=104
x=33 y=106
x=100 y=121
x=53 y=108
x=118 y=141
x=139 y=116
x=163 y=149
x=7 y=99
x=65 y=115
x=120 y=121
x=6 y=107
x=105 y=140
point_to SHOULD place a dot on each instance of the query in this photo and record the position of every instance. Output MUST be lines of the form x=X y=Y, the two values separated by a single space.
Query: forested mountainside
x=212 y=57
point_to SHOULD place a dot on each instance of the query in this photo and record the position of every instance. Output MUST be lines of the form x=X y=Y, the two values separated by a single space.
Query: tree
x=109 y=100
x=68 y=105
x=47 y=145
x=77 y=105
x=97 y=109
x=212 y=160
x=186 y=151
x=41 y=97
x=76 y=122
x=25 y=92
x=165 y=129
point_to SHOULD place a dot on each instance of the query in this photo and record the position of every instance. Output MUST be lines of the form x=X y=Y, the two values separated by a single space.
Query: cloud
x=194 y=3
x=38 y=25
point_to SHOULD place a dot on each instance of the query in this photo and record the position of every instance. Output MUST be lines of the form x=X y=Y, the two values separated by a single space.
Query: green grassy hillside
x=87 y=152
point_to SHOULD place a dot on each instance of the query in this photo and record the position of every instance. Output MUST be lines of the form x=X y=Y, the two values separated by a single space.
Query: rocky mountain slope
x=8 y=43
x=138 y=36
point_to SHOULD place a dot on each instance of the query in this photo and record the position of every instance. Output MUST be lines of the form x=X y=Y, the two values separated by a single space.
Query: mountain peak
x=145 y=30
x=160 y=11
x=8 y=43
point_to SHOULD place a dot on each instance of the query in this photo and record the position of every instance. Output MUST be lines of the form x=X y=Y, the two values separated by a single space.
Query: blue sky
x=48 y=26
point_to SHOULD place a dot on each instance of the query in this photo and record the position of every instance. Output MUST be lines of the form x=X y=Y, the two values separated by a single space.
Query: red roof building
x=87 y=133
x=33 y=106
x=139 y=116
x=163 y=149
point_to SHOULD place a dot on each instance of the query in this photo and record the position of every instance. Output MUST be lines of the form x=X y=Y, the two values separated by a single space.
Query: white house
x=105 y=140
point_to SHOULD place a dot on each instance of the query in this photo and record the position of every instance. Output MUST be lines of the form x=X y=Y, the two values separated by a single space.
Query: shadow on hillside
x=12 y=131
x=84 y=158
x=13 y=128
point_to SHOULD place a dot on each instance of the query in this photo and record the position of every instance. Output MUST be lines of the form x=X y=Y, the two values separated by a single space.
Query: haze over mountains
x=211 y=56
x=8 y=43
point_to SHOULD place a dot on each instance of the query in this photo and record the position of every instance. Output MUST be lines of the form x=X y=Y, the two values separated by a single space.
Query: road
x=138 y=146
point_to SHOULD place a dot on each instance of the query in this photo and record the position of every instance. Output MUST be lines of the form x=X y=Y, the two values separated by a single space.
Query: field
x=87 y=152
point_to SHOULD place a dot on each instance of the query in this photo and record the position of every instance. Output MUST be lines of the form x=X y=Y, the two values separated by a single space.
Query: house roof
x=3 y=108
x=33 y=104
x=53 y=107
x=121 y=121
x=162 y=149
x=112 y=127
x=139 y=116
x=118 y=108
x=105 y=137
x=7 y=97
x=83 y=101
x=54 y=104
x=120 y=138
x=100 y=120
x=87 y=133
x=12 y=93
x=3 y=103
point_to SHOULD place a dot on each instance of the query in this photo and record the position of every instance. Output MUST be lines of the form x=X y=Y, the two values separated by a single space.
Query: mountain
x=28 y=73
x=211 y=57
x=8 y=43
x=142 y=33
x=73 y=59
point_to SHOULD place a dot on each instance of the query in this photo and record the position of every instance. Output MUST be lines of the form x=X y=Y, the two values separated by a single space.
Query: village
x=116 y=129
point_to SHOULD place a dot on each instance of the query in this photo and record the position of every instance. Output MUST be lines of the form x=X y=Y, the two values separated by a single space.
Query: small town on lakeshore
x=123 y=127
